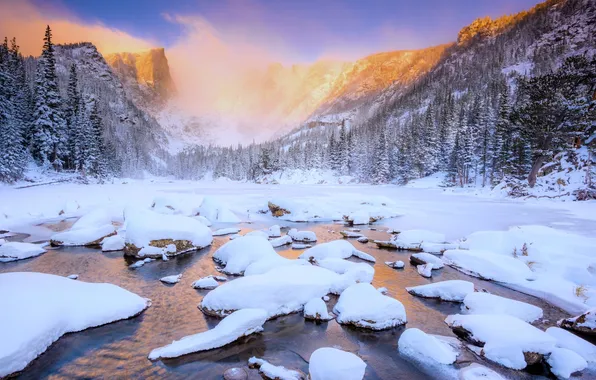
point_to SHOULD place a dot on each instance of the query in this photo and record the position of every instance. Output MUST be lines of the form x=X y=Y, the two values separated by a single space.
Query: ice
x=281 y=291
x=270 y=371
x=565 y=339
x=281 y=241
x=205 y=283
x=236 y=255
x=485 y=303
x=564 y=362
x=112 y=243
x=395 y=264
x=505 y=338
x=476 y=371
x=489 y=266
x=451 y=290
x=361 y=305
x=40 y=308
x=416 y=343
x=332 y=364
x=144 y=227
x=339 y=249
x=173 y=279
x=426 y=258
x=13 y=251
x=302 y=236
x=316 y=309
x=425 y=270
x=234 y=326
x=216 y=211
x=226 y=231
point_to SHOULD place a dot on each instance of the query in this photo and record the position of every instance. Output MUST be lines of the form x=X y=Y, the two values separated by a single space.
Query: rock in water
x=235 y=374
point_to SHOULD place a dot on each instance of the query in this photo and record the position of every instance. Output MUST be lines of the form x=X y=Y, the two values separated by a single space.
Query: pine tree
x=381 y=166
x=48 y=142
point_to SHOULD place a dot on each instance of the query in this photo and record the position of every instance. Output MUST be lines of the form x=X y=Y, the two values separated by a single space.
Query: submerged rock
x=235 y=374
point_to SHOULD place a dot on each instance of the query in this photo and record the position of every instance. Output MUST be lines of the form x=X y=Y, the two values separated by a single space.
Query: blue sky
x=310 y=28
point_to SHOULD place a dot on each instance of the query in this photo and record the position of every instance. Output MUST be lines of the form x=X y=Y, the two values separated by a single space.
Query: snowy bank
x=13 y=251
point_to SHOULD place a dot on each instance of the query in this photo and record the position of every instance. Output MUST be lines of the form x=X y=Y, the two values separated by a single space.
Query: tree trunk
x=535 y=168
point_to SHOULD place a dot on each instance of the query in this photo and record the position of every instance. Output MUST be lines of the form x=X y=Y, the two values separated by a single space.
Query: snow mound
x=215 y=211
x=476 y=371
x=332 y=364
x=415 y=343
x=358 y=218
x=300 y=245
x=140 y=263
x=420 y=236
x=451 y=290
x=425 y=270
x=236 y=325
x=282 y=291
x=280 y=241
x=361 y=305
x=316 y=309
x=362 y=271
x=149 y=229
x=270 y=371
x=565 y=339
x=302 y=236
x=265 y=265
x=236 y=255
x=564 y=362
x=274 y=231
x=88 y=236
x=395 y=264
x=113 y=243
x=13 y=251
x=226 y=231
x=54 y=306
x=173 y=279
x=426 y=258
x=205 y=283
x=488 y=266
x=505 y=338
x=339 y=249
x=203 y=220
x=486 y=303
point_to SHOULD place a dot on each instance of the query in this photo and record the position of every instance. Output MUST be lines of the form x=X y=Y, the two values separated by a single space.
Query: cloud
x=27 y=23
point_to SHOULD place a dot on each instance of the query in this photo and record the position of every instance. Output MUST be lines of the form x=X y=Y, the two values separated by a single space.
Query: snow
x=13 y=251
x=300 y=245
x=395 y=264
x=236 y=255
x=216 y=211
x=143 y=226
x=203 y=220
x=359 y=218
x=419 y=236
x=568 y=340
x=83 y=236
x=140 y=263
x=451 y=290
x=258 y=233
x=485 y=303
x=280 y=241
x=339 y=249
x=351 y=234
x=113 y=243
x=416 y=343
x=54 y=306
x=425 y=270
x=428 y=259
x=302 y=236
x=332 y=364
x=476 y=371
x=205 y=283
x=282 y=291
x=362 y=271
x=73 y=276
x=506 y=338
x=316 y=309
x=274 y=231
x=226 y=231
x=361 y=305
x=173 y=279
x=490 y=266
x=585 y=322
x=270 y=371
x=95 y=218
x=564 y=362
x=383 y=290
x=234 y=326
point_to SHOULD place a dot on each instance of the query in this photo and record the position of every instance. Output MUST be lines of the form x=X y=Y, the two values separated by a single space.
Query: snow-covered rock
x=93 y=219
x=14 y=250
x=565 y=339
x=281 y=291
x=451 y=290
x=274 y=231
x=273 y=372
x=40 y=308
x=238 y=254
x=226 y=231
x=361 y=305
x=302 y=236
x=359 y=218
x=505 y=338
x=205 y=283
x=236 y=325
x=113 y=243
x=584 y=323
x=362 y=239
x=486 y=303
x=300 y=245
x=564 y=362
x=316 y=309
x=426 y=258
x=351 y=234
x=203 y=220
x=363 y=272
x=281 y=241
x=476 y=371
x=339 y=249
x=140 y=263
x=488 y=266
x=416 y=343
x=425 y=270
x=73 y=276
x=265 y=265
x=395 y=264
x=146 y=228
x=332 y=364
x=173 y=279
x=215 y=211
x=89 y=236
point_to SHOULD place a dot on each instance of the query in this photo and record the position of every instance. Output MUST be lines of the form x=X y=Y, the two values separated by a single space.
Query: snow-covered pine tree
x=71 y=114
x=381 y=166
x=48 y=140
x=97 y=160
